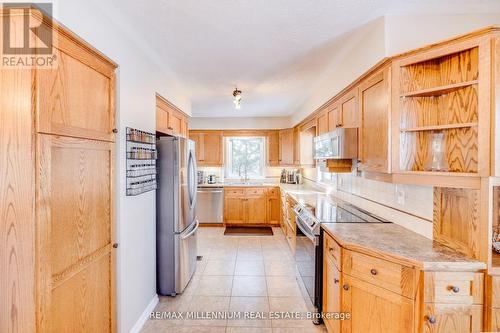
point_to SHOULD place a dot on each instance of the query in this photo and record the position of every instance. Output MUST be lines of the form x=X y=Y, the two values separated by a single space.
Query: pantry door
x=75 y=251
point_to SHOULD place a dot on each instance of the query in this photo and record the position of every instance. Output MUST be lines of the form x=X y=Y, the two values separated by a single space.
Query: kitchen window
x=245 y=156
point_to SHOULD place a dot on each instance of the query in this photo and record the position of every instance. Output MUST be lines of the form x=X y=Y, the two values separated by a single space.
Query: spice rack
x=141 y=162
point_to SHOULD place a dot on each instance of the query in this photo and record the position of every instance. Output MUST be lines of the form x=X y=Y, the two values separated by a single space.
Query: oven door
x=308 y=260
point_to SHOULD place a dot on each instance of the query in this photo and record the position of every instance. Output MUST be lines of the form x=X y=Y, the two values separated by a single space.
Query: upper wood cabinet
x=374 y=114
x=442 y=99
x=343 y=112
x=64 y=108
x=286 y=147
x=273 y=148
x=323 y=123
x=209 y=147
x=169 y=119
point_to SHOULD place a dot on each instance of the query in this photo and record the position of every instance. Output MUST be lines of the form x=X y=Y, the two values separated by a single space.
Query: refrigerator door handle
x=196 y=225
x=191 y=179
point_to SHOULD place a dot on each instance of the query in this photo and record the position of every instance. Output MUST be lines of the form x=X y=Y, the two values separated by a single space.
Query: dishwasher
x=210 y=204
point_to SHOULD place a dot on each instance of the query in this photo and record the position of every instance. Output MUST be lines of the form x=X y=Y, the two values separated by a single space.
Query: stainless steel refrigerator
x=176 y=225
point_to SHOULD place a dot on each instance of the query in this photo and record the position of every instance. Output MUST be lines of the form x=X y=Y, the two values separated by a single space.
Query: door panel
x=256 y=209
x=452 y=318
x=374 y=309
x=331 y=292
x=349 y=114
x=374 y=134
x=333 y=117
x=286 y=151
x=76 y=228
x=234 y=210
x=67 y=109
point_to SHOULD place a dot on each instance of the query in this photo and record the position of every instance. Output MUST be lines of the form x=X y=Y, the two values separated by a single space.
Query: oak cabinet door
x=161 y=120
x=323 y=123
x=256 y=209
x=331 y=294
x=75 y=100
x=234 y=210
x=348 y=110
x=374 y=309
x=175 y=123
x=374 y=130
x=452 y=318
x=212 y=149
x=273 y=210
x=198 y=145
x=333 y=116
x=76 y=231
x=273 y=147
x=286 y=147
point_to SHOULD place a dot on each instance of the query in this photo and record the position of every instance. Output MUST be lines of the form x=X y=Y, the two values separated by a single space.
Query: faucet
x=244 y=180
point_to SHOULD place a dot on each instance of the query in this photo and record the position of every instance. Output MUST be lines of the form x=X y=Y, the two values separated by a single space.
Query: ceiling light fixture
x=237 y=98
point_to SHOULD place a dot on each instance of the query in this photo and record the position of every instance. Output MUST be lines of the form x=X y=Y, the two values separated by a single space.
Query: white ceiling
x=270 y=49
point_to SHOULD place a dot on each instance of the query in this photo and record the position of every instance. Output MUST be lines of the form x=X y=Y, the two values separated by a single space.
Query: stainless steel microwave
x=341 y=143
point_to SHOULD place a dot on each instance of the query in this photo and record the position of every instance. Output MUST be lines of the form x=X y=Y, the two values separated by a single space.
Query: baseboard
x=145 y=315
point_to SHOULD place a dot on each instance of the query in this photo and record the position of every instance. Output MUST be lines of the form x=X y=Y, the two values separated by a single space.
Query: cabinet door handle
x=373 y=271
x=431 y=319
x=115 y=130
x=345 y=287
x=336 y=281
x=115 y=245
x=455 y=289
x=170 y=128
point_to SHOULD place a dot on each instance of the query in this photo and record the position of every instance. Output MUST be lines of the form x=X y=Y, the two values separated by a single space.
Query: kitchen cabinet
x=273 y=148
x=374 y=309
x=273 y=206
x=57 y=155
x=250 y=205
x=343 y=112
x=323 y=123
x=374 y=110
x=382 y=295
x=332 y=291
x=169 y=119
x=286 y=147
x=209 y=147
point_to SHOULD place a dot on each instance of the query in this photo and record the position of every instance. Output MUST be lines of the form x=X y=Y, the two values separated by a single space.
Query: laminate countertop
x=394 y=242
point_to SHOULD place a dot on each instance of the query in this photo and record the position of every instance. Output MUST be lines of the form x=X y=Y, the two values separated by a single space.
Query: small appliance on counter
x=291 y=176
x=211 y=179
x=200 y=177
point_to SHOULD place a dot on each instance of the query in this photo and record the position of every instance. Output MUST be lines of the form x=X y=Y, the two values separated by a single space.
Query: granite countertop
x=401 y=245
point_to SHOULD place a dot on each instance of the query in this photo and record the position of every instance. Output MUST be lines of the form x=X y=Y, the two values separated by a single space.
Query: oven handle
x=305 y=230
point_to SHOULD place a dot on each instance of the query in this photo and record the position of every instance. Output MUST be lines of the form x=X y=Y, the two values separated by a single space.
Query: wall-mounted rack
x=141 y=162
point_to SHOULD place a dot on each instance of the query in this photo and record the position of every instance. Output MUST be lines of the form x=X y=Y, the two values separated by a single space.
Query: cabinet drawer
x=391 y=276
x=453 y=287
x=332 y=250
x=234 y=192
x=454 y=318
x=256 y=191
x=273 y=192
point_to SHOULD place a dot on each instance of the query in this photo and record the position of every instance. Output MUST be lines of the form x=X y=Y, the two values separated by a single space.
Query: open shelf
x=440 y=97
x=438 y=127
x=440 y=90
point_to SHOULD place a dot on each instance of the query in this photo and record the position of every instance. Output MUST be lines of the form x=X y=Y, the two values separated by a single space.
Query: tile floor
x=239 y=274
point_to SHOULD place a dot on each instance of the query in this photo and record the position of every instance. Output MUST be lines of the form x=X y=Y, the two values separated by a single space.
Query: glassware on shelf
x=496 y=239
x=437 y=150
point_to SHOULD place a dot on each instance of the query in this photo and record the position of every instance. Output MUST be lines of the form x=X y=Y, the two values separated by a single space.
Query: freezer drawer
x=210 y=205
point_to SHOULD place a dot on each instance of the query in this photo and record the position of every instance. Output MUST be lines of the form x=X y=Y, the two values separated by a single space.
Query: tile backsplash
x=408 y=205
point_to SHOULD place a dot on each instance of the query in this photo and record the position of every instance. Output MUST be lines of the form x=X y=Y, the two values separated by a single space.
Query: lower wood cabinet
x=374 y=309
x=251 y=205
x=385 y=296
x=332 y=290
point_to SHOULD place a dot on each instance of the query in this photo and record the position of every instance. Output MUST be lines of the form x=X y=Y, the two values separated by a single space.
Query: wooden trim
x=168 y=104
x=211 y=225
